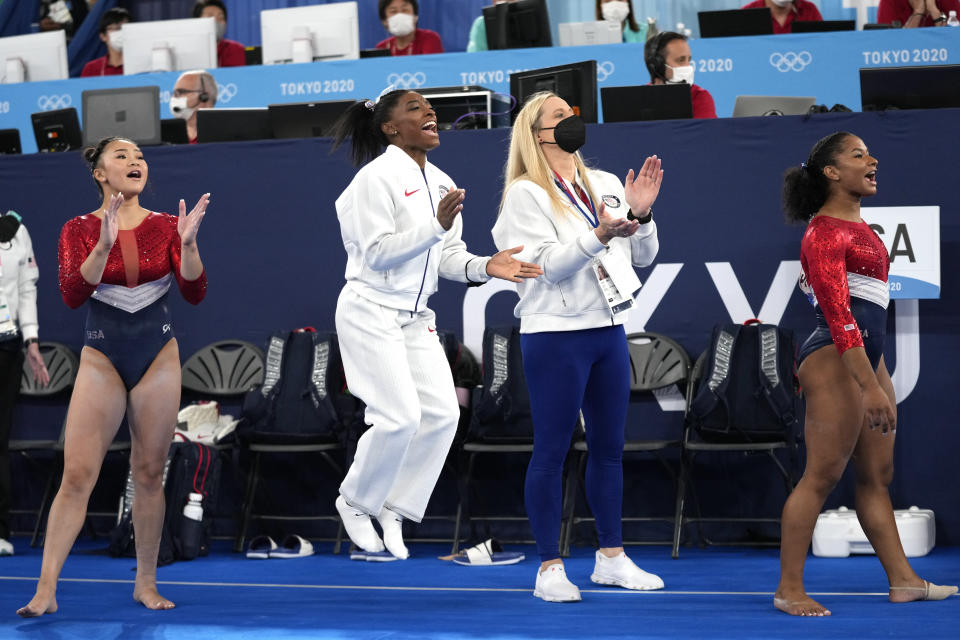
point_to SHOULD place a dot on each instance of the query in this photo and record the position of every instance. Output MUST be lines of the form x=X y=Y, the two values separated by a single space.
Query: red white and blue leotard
x=845 y=268
x=128 y=319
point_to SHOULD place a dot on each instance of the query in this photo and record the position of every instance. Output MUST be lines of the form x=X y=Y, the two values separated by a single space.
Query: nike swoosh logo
x=410 y=193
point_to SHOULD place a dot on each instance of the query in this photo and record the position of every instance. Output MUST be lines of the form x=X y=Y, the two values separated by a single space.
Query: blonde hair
x=526 y=160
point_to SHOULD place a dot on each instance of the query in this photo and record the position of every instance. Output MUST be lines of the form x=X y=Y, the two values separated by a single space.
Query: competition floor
x=711 y=593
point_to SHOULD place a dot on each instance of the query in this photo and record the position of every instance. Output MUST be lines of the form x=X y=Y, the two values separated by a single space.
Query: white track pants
x=394 y=362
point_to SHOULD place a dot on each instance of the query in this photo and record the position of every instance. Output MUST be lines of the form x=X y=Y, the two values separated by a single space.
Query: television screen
x=576 y=83
x=518 y=24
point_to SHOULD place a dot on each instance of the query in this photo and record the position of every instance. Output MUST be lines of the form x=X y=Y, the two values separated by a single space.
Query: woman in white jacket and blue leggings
x=400 y=222
x=585 y=229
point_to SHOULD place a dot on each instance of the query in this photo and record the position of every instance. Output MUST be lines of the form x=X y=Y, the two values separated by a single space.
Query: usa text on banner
x=912 y=237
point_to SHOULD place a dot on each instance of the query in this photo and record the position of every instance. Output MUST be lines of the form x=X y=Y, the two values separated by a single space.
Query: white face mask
x=782 y=3
x=615 y=11
x=681 y=74
x=401 y=24
x=179 y=108
x=221 y=30
x=115 y=39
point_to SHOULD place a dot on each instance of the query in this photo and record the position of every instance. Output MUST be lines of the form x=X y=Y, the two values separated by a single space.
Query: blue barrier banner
x=823 y=65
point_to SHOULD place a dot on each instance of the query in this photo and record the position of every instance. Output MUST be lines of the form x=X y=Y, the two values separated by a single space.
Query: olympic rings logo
x=605 y=70
x=790 y=61
x=407 y=80
x=49 y=103
x=226 y=92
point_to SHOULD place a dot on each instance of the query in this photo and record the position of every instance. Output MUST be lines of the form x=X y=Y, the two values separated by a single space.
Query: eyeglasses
x=179 y=93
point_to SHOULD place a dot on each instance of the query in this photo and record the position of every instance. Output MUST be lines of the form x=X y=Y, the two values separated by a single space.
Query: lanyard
x=592 y=219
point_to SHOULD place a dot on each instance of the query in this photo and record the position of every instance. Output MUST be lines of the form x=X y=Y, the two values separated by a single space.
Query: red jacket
x=231 y=54
x=900 y=11
x=805 y=11
x=424 y=41
x=99 y=67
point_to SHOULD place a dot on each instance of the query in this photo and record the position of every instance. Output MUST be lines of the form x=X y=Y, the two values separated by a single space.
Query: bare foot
x=923 y=591
x=799 y=604
x=148 y=597
x=42 y=603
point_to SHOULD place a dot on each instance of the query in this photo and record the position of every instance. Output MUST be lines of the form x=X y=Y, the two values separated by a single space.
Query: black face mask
x=570 y=134
x=8 y=226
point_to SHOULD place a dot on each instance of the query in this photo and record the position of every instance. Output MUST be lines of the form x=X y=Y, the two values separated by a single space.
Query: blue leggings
x=568 y=371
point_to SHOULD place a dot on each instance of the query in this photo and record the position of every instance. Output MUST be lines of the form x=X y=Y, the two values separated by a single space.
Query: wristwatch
x=942 y=18
x=642 y=219
x=30 y=341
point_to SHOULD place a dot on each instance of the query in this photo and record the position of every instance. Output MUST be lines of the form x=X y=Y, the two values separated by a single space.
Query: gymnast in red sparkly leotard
x=850 y=401
x=128 y=318
x=845 y=277
x=121 y=260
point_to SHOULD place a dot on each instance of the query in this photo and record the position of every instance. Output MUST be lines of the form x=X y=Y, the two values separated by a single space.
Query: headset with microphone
x=204 y=96
x=653 y=53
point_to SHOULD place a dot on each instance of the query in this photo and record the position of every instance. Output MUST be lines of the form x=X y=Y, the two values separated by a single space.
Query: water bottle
x=952 y=20
x=190 y=527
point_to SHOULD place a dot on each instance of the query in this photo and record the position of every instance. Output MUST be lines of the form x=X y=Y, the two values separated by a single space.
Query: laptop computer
x=746 y=106
x=10 y=141
x=646 y=102
x=306 y=119
x=735 y=22
x=174 y=131
x=816 y=26
x=230 y=125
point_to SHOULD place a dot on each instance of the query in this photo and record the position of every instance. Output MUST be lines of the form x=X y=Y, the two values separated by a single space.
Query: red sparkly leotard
x=128 y=319
x=843 y=260
x=141 y=255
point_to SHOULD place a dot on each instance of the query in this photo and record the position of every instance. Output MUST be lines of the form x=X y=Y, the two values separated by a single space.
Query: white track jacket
x=19 y=281
x=396 y=249
x=567 y=296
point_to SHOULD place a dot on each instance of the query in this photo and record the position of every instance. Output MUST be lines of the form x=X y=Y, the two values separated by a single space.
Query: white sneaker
x=358 y=526
x=553 y=586
x=392 y=524
x=621 y=571
x=6 y=549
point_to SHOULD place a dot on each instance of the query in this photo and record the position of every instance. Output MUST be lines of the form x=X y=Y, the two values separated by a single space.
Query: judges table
x=823 y=65
x=273 y=254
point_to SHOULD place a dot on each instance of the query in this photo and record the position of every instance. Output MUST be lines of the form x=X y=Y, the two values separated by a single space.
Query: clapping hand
x=110 y=225
x=504 y=266
x=450 y=207
x=611 y=227
x=642 y=190
x=187 y=225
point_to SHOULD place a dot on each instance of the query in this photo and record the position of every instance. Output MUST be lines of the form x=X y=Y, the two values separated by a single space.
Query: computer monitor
x=518 y=25
x=307 y=34
x=647 y=102
x=747 y=106
x=130 y=112
x=231 y=125
x=468 y=107
x=174 y=131
x=927 y=87
x=56 y=130
x=34 y=57
x=576 y=34
x=306 y=119
x=817 y=26
x=575 y=82
x=735 y=22
x=10 y=141
x=169 y=45
x=375 y=53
